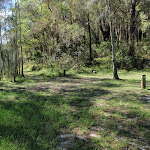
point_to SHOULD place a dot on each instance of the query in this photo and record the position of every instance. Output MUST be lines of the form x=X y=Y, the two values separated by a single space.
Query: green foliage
x=104 y=55
x=141 y=55
x=143 y=48
x=36 y=67
x=57 y=33
x=37 y=54
x=104 y=49
x=104 y=62
x=145 y=21
x=84 y=70
x=123 y=60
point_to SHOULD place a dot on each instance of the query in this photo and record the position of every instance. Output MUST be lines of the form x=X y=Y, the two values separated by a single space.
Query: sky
x=4 y=12
x=5 y=6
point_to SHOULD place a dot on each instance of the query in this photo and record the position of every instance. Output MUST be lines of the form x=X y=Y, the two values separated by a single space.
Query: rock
x=94 y=135
x=93 y=71
x=67 y=141
x=146 y=99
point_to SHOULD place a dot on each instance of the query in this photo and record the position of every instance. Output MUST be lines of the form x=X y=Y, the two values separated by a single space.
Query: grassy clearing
x=109 y=114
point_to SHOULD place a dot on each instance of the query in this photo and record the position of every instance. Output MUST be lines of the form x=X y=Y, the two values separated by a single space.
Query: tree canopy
x=71 y=33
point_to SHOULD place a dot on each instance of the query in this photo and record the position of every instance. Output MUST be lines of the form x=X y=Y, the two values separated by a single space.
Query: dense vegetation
x=73 y=33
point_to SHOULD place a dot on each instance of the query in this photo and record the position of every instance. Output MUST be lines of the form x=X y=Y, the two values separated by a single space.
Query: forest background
x=74 y=34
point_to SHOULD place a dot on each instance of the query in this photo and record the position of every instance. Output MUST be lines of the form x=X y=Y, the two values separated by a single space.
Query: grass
x=109 y=114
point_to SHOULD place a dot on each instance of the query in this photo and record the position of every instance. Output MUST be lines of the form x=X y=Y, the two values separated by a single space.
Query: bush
x=36 y=67
x=104 y=55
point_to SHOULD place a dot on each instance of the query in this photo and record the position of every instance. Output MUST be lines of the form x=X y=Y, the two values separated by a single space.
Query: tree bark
x=132 y=32
x=115 y=74
x=16 y=44
x=0 y=49
x=105 y=30
x=22 y=73
x=90 y=38
x=132 y=28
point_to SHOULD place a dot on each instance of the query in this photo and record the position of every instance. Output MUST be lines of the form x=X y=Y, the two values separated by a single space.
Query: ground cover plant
x=89 y=111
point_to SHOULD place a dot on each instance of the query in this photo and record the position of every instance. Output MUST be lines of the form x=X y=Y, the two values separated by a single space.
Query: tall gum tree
x=115 y=74
x=132 y=29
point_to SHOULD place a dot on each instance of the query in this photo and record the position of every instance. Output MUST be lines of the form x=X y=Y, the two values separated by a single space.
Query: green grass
x=36 y=110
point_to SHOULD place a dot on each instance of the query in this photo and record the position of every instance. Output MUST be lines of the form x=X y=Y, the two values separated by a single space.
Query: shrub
x=36 y=67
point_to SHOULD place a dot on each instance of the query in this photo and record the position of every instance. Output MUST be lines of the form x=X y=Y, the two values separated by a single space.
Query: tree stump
x=64 y=73
x=143 y=82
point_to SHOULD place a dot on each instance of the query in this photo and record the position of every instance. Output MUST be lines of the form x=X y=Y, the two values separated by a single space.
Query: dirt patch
x=146 y=99
x=68 y=141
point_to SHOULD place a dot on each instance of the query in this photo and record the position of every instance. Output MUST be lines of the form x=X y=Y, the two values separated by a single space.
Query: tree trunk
x=22 y=74
x=16 y=44
x=115 y=74
x=105 y=30
x=0 y=49
x=132 y=27
x=64 y=73
x=90 y=38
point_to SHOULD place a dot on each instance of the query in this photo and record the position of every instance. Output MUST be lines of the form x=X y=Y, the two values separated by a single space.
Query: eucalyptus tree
x=21 y=49
x=115 y=74
x=16 y=41
x=132 y=28
x=2 y=59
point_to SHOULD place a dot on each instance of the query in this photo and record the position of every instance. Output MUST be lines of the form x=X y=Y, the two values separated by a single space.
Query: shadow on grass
x=1 y=84
x=135 y=124
x=41 y=77
x=29 y=131
x=132 y=98
x=35 y=120
x=83 y=97
x=131 y=81
x=107 y=84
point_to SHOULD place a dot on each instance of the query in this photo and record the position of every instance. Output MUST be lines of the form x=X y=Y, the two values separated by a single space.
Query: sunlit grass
x=36 y=110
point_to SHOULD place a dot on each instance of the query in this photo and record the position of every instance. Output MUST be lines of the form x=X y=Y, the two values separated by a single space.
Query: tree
x=115 y=74
x=21 y=41
x=132 y=28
